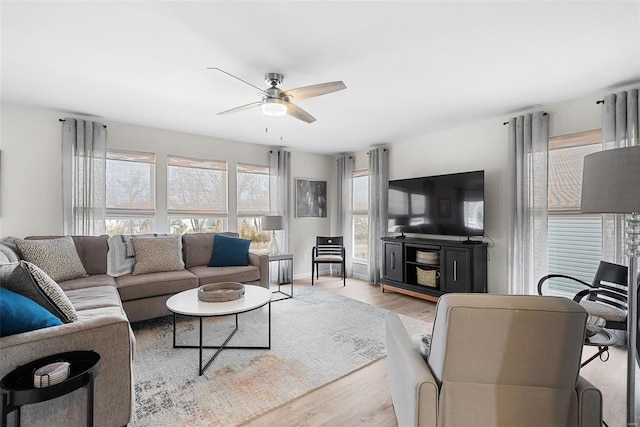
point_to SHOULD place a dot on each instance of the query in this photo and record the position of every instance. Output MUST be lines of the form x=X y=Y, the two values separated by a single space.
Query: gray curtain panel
x=345 y=217
x=619 y=129
x=528 y=173
x=280 y=201
x=84 y=177
x=378 y=189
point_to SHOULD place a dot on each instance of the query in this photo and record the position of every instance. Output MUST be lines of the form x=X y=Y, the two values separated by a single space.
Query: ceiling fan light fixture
x=274 y=107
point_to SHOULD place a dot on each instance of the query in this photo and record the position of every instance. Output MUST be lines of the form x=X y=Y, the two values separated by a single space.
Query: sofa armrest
x=589 y=404
x=262 y=262
x=414 y=390
x=109 y=336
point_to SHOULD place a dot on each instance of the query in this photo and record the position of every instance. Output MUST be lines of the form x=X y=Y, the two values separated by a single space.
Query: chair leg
x=344 y=275
x=312 y=266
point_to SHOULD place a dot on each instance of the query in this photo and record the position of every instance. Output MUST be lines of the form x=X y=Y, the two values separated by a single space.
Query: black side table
x=18 y=389
x=603 y=339
x=279 y=258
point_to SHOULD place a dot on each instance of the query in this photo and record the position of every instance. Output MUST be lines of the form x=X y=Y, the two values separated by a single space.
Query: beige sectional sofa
x=105 y=306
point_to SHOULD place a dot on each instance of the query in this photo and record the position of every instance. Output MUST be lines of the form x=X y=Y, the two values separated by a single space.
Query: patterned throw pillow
x=30 y=281
x=57 y=257
x=155 y=254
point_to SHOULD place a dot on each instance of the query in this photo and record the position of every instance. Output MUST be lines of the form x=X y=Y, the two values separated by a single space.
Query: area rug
x=316 y=337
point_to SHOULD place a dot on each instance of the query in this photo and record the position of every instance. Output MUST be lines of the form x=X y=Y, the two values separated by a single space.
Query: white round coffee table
x=186 y=303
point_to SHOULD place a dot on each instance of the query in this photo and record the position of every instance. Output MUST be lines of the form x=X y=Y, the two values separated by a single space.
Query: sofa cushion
x=198 y=247
x=242 y=274
x=27 y=279
x=93 y=253
x=20 y=314
x=157 y=254
x=229 y=251
x=88 y=282
x=94 y=297
x=57 y=257
x=133 y=287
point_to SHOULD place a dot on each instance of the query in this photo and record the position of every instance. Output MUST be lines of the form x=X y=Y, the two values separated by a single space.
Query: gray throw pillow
x=30 y=281
x=57 y=257
x=156 y=254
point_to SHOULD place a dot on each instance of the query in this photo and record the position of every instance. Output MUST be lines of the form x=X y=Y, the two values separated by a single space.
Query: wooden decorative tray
x=220 y=292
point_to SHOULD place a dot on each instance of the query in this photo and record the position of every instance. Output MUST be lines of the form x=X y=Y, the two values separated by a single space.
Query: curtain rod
x=62 y=120
x=506 y=123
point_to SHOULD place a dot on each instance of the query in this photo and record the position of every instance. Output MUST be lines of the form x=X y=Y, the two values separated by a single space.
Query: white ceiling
x=410 y=68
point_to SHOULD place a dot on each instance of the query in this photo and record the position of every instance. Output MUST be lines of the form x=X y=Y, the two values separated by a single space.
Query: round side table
x=18 y=389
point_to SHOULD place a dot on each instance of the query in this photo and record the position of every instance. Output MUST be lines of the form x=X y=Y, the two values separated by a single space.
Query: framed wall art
x=311 y=198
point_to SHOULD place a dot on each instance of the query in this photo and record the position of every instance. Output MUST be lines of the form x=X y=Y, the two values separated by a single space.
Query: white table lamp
x=273 y=223
x=611 y=184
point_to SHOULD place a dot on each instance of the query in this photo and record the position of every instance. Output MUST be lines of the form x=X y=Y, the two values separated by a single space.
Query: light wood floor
x=362 y=398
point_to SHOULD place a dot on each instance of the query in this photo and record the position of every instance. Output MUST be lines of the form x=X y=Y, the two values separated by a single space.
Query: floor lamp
x=611 y=184
x=273 y=223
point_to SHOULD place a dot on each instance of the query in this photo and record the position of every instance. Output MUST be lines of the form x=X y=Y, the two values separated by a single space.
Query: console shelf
x=427 y=269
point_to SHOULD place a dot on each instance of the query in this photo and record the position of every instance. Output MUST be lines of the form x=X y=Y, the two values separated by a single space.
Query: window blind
x=130 y=183
x=196 y=186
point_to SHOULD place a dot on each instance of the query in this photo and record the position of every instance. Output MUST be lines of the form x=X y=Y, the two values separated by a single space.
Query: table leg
x=5 y=408
x=601 y=350
x=220 y=348
x=90 y=401
x=174 y=330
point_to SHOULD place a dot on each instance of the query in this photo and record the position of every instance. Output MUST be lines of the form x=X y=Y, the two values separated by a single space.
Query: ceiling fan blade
x=314 y=90
x=238 y=78
x=240 y=108
x=297 y=112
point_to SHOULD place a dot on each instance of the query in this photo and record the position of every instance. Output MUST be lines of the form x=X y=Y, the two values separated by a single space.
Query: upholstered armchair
x=494 y=360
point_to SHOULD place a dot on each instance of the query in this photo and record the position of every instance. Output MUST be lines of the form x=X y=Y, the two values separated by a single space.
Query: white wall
x=31 y=172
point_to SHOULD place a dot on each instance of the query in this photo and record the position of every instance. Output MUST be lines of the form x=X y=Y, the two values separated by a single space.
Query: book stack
x=51 y=374
x=427 y=257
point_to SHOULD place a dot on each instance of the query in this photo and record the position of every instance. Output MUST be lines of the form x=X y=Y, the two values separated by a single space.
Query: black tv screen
x=444 y=204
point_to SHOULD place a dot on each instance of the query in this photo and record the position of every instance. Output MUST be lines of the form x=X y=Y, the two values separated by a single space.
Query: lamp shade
x=611 y=181
x=272 y=222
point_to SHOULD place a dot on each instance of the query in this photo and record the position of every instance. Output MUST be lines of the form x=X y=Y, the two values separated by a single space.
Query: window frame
x=183 y=213
x=579 y=139
x=264 y=237
x=358 y=173
x=134 y=214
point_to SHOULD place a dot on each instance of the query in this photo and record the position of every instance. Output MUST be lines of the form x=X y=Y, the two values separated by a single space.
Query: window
x=131 y=189
x=196 y=195
x=253 y=203
x=575 y=239
x=360 y=215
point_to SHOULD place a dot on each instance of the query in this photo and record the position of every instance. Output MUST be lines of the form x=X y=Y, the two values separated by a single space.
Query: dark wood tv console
x=412 y=264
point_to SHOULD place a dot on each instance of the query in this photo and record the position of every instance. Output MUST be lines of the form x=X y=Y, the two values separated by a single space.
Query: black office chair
x=606 y=297
x=328 y=250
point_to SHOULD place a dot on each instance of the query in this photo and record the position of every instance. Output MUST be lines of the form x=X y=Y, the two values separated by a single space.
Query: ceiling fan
x=276 y=102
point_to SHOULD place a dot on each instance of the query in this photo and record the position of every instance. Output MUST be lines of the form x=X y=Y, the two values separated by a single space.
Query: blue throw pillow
x=20 y=314
x=228 y=251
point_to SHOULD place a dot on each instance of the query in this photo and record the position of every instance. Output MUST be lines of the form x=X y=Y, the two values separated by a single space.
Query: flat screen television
x=450 y=205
